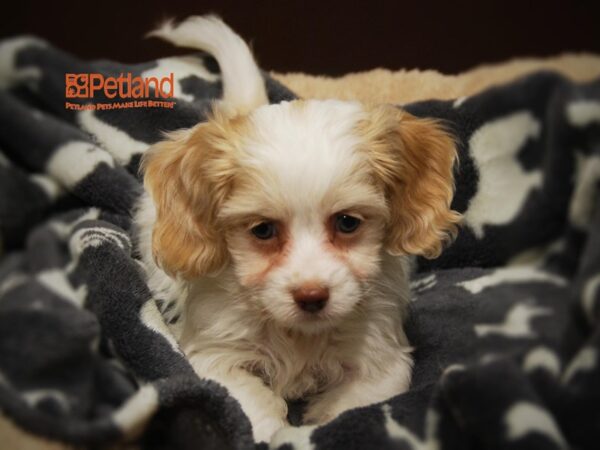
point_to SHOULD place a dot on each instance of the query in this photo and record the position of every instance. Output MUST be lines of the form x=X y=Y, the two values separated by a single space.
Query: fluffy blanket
x=411 y=85
x=505 y=323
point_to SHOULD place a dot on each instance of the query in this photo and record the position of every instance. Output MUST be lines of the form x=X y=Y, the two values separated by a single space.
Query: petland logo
x=136 y=91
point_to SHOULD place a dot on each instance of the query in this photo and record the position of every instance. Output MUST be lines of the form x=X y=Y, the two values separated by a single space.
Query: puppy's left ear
x=188 y=176
x=414 y=160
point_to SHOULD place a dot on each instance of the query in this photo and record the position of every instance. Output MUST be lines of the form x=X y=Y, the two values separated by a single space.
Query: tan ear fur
x=188 y=176
x=414 y=159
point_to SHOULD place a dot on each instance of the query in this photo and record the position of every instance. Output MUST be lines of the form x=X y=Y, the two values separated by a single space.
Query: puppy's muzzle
x=311 y=298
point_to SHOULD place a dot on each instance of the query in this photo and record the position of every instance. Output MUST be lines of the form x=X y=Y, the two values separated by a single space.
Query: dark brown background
x=327 y=37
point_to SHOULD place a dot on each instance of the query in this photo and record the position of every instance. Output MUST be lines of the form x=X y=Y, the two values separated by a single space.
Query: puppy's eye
x=346 y=224
x=264 y=230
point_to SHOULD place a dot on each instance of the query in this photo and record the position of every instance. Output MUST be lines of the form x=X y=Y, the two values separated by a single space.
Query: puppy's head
x=300 y=200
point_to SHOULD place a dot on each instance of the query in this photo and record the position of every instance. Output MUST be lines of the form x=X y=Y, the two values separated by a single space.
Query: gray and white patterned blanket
x=505 y=324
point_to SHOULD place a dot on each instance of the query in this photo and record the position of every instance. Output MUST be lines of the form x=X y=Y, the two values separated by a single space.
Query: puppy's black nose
x=311 y=298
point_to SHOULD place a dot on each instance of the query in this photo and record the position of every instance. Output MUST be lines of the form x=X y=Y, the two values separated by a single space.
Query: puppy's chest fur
x=218 y=333
x=291 y=363
x=300 y=365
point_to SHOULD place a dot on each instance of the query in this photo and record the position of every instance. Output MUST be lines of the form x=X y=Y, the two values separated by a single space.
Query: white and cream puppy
x=283 y=231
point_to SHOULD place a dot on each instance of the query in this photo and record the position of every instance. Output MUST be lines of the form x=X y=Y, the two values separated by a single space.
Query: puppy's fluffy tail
x=243 y=85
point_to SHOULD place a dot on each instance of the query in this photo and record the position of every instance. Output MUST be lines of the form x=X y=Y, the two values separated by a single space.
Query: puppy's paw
x=328 y=406
x=320 y=412
x=265 y=428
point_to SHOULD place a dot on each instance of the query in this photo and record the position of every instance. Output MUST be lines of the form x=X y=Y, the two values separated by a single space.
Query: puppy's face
x=306 y=218
x=301 y=199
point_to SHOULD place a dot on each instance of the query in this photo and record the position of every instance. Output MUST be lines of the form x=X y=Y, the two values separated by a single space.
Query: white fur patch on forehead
x=298 y=151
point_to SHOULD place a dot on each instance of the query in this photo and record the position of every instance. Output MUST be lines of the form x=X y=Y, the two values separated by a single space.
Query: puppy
x=282 y=234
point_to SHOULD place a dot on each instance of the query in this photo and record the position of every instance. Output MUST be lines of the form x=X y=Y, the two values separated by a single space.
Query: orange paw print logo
x=77 y=85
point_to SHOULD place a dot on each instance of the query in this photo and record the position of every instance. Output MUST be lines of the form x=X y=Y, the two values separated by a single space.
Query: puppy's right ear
x=188 y=176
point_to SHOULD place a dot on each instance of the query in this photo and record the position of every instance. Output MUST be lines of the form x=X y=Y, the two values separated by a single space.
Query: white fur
x=243 y=86
x=303 y=165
